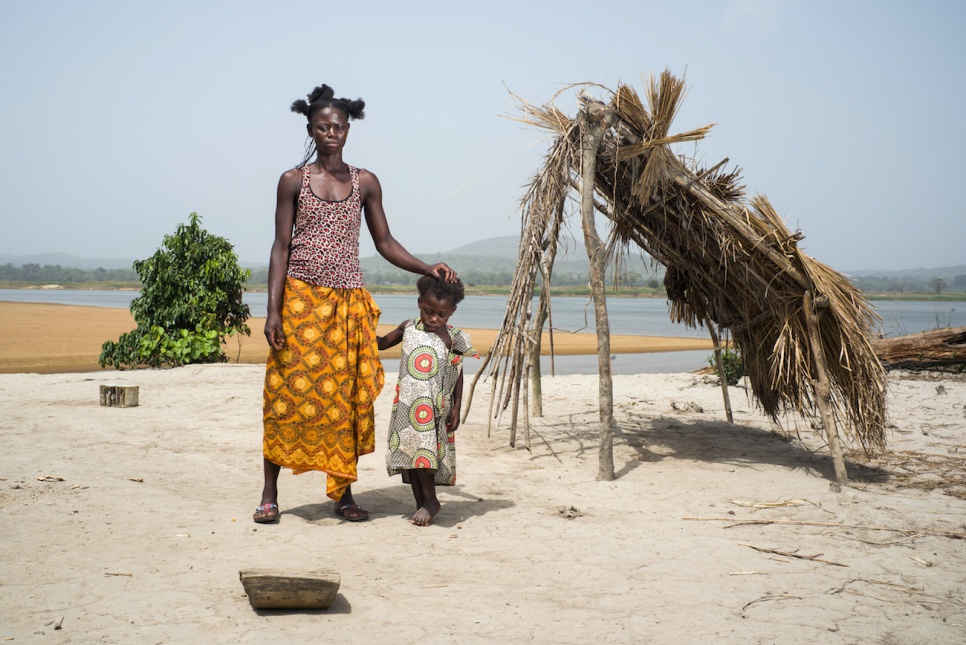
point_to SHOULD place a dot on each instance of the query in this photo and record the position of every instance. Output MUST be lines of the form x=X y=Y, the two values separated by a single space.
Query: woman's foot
x=266 y=513
x=424 y=516
x=351 y=511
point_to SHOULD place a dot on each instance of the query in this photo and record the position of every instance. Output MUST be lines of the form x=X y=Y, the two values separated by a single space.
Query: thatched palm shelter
x=804 y=331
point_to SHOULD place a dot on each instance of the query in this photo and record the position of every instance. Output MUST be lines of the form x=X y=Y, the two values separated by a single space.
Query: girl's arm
x=453 y=422
x=391 y=339
x=285 y=199
x=385 y=243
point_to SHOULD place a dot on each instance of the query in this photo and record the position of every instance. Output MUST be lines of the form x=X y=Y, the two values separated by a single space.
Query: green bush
x=734 y=367
x=191 y=300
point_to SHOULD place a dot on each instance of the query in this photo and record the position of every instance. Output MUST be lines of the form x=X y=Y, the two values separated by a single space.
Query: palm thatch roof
x=730 y=261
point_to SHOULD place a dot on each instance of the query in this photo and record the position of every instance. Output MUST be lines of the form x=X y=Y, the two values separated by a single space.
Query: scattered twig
x=787 y=502
x=738 y=522
x=912 y=536
x=136 y=479
x=884 y=583
x=113 y=573
x=59 y=623
x=766 y=599
x=922 y=596
x=50 y=478
x=792 y=554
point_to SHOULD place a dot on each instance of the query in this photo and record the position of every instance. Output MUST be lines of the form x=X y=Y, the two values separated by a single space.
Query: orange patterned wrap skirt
x=321 y=387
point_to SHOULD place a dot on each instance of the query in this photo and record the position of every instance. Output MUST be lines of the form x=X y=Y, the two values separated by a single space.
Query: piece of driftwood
x=929 y=349
x=119 y=396
x=281 y=589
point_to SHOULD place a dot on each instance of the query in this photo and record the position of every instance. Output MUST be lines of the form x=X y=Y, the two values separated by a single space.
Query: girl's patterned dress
x=428 y=372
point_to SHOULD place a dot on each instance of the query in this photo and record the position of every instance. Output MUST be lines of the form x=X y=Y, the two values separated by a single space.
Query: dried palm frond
x=729 y=262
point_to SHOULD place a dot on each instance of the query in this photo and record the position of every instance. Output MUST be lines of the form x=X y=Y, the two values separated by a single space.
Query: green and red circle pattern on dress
x=423 y=364
x=422 y=414
x=425 y=459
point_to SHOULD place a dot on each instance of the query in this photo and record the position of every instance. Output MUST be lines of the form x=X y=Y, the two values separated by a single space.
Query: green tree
x=734 y=366
x=191 y=300
x=937 y=285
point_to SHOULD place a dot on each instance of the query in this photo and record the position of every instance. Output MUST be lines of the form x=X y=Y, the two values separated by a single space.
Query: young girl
x=426 y=410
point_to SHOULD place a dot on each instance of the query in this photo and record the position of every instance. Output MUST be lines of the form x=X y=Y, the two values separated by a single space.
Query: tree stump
x=280 y=589
x=119 y=396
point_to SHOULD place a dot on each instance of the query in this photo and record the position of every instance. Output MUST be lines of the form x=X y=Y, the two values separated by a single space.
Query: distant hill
x=946 y=273
x=493 y=261
x=497 y=247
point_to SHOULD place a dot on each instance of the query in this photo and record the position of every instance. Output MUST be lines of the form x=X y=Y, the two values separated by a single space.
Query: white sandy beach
x=130 y=525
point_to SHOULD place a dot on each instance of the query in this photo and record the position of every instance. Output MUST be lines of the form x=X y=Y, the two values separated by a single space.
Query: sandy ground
x=130 y=525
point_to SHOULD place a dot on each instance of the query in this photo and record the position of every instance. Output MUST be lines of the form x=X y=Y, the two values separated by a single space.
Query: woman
x=323 y=373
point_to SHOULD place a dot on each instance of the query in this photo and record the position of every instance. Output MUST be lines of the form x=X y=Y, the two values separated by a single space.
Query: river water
x=636 y=316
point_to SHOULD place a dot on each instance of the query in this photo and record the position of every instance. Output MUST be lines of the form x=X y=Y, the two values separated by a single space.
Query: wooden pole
x=547 y=257
x=536 y=343
x=595 y=121
x=536 y=383
x=526 y=411
x=822 y=385
x=721 y=372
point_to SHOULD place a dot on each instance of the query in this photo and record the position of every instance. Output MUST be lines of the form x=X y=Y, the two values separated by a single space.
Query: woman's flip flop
x=266 y=513
x=351 y=512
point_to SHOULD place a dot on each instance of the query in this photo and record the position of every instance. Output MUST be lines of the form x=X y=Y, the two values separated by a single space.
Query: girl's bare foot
x=425 y=515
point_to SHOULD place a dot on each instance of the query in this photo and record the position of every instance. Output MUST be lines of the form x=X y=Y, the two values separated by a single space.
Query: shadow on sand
x=656 y=438
x=397 y=501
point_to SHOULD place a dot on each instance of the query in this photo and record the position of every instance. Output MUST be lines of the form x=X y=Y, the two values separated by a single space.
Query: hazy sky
x=118 y=119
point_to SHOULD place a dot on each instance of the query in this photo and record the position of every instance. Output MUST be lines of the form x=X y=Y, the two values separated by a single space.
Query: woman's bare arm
x=286 y=196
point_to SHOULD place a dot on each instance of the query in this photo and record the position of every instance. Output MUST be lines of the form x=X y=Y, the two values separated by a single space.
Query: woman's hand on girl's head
x=442 y=272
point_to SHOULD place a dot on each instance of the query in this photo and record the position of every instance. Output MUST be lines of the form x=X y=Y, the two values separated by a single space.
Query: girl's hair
x=441 y=290
x=320 y=98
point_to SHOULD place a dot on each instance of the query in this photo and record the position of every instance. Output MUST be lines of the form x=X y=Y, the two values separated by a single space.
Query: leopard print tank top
x=325 y=242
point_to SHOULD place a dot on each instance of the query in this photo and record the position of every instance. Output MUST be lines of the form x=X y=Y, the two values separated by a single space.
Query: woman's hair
x=320 y=98
x=440 y=289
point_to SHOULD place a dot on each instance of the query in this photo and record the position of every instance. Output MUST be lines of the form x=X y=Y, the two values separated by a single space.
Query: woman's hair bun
x=321 y=92
x=323 y=97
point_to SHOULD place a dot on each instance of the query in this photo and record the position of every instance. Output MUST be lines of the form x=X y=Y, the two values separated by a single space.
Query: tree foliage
x=55 y=273
x=734 y=366
x=191 y=300
x=937 y=285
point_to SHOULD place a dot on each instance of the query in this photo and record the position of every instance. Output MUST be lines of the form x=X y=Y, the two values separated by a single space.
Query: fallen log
x=938 y=348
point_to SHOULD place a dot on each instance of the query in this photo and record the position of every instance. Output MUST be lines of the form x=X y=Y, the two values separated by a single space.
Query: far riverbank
x=52 y=338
